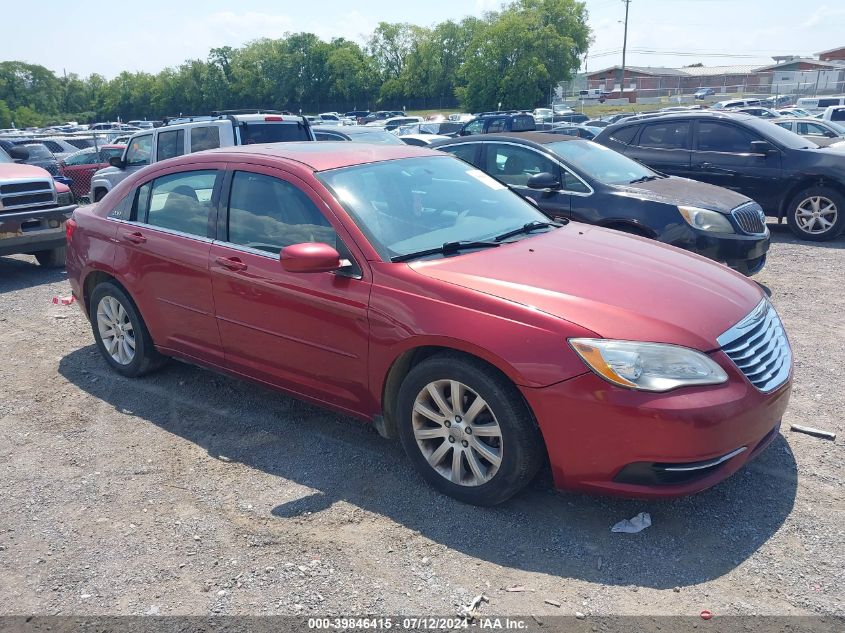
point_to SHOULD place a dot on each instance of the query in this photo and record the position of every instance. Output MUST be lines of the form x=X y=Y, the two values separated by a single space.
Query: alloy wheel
x=816 y=214
x=116 y=330
x=457 y=432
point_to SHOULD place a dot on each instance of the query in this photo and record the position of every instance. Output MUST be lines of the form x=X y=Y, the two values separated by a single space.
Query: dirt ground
x=187 y=492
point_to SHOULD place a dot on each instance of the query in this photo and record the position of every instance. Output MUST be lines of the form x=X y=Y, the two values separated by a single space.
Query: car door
x=665 y=146
x=514 y=164
x=162 y=258
x=722 y=156
x=304 y=332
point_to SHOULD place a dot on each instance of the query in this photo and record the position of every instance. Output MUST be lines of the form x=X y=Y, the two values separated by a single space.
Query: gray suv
x=186 y=135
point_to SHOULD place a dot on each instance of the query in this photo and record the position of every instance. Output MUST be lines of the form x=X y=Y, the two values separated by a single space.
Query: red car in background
x=404 y=287
x=80 y=166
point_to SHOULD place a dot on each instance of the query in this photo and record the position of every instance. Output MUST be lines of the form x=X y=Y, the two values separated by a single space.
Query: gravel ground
x=187 y=492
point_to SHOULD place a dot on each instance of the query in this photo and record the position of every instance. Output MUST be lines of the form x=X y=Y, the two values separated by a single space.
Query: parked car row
x=412 y=290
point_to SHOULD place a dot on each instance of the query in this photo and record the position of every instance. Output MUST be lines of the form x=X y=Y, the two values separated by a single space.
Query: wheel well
x=817 y=181
x=93 y=280
x=400 y=368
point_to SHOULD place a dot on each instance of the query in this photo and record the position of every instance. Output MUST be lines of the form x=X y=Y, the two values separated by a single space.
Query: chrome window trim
x=192 y=236
x=546 y=156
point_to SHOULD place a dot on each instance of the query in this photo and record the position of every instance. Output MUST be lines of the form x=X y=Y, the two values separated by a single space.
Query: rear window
x=523 y=123
x=275 y=132
x=838 y=115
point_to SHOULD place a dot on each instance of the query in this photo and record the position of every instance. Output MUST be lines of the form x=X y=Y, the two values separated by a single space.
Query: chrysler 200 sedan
x=404 y=287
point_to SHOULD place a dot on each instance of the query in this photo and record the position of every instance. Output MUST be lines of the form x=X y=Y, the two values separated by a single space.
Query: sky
x=89 y=36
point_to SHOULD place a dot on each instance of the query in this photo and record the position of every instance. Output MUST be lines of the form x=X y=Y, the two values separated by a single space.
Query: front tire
x=467 y=430
x=54 y=258
x=120 y=332
x=816 y=214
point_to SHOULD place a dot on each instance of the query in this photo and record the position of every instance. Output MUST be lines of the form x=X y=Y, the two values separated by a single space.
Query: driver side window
x=140 y=148
x=268 y=214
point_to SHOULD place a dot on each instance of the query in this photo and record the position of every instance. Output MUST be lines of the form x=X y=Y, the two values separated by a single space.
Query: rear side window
x=203 y=138
x=714 y=136
x=625 y=135
x=496 y=125
x=273 y=132
x=170 y=144
x=179 y=202
x=522 y=124
x=666 y=135
x=824 y=103
x=465 y=152
x=268 y=214
x=838 y=115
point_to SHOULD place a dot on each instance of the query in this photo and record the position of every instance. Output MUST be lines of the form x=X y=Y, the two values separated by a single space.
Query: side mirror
x=18 y=154
x=763 y=147
x=117 y=161
x=309 y=257
x=543 y=180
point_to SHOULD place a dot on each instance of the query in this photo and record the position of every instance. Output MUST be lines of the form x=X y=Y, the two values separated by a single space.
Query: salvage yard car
x=579 y=180
x=404 y=287
x=785 y=174
x=33 y=210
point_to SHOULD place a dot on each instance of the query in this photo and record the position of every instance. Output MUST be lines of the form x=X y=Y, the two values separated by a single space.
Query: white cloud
x=482 y=6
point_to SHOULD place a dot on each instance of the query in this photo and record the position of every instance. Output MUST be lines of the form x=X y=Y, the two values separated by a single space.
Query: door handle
x=232 y=263
x=135 y=238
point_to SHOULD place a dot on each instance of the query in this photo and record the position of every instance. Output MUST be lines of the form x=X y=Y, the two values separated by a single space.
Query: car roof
x=527 y=138
x=324 y=155
x=730 y=115
x=350 y=130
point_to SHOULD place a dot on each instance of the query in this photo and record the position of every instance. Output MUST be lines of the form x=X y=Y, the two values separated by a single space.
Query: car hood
x=617 y=285
x=675 y=191
x=106 y=171
x=20 y=171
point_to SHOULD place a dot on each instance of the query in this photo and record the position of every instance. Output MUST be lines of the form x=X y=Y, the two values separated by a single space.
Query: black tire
x=804 y=198
x=145 y=358
x=99 y=194
x=521 y=446
x=54 y=258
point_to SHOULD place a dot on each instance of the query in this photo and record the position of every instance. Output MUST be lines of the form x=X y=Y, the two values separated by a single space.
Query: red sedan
x=80 y=166
x=406 y=288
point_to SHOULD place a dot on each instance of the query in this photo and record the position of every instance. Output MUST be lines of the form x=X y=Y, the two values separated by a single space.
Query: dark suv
x=786 y=174
x=492 y=123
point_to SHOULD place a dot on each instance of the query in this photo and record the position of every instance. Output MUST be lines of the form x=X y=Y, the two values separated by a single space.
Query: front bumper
x=29 y=231
x=744 y=253
x=605 y=439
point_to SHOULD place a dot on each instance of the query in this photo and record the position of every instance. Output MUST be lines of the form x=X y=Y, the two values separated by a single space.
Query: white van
x=819 y=104
x=186 y=135
x=734 y=103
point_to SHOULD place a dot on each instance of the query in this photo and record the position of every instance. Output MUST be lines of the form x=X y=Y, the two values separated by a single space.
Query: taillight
x=70 y=227
x=273 y=118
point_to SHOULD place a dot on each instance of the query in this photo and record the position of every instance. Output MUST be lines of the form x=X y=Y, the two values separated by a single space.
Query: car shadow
x=691 y=540
x=17 y=273
x=780 y=234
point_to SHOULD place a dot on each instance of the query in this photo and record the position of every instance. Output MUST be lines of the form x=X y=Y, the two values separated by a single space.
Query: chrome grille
x=21 y=194
x=750 y=218
x=757 y=345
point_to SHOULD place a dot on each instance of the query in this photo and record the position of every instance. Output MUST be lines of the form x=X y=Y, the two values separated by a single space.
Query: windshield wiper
x=527 y=228
x=448 y=248
x=642 y=179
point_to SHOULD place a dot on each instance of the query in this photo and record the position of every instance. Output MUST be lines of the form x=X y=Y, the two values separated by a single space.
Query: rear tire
x=54 y=258
x=483 y=450
x=816 y=214
x=121 y=334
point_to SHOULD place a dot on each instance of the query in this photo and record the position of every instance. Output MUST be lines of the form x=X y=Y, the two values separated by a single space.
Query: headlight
x=647 y=366
x=65 y=198
x=706 y=220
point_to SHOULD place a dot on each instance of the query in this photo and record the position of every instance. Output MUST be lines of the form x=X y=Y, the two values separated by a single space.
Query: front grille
x=23 y=187
x=757 y=345
x=750 y=218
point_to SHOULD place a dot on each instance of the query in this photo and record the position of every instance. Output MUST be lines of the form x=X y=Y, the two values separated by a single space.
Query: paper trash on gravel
x=632 y=526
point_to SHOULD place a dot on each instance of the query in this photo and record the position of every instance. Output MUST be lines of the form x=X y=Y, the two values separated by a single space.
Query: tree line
x=513 y=56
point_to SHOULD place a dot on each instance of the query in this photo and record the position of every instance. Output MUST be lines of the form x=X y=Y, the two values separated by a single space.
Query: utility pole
x=624 y=47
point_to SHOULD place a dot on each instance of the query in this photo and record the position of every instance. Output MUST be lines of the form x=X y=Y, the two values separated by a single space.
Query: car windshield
x=4 y=157
x=599 y=162
x=836 y=127
x=375 y=135
x=38 y=152
x=409 y=205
